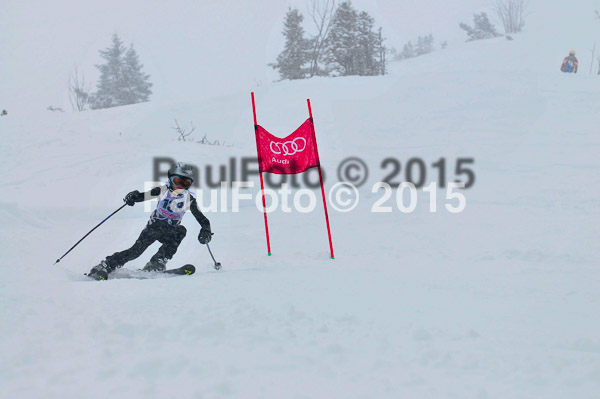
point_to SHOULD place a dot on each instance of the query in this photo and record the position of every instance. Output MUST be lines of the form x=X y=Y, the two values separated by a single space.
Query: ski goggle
x=181 y=181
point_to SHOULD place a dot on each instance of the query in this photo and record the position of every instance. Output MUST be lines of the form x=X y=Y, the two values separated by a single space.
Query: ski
x=185 y=270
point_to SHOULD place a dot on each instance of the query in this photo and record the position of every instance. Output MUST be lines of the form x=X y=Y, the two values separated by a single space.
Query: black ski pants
x=161 y=231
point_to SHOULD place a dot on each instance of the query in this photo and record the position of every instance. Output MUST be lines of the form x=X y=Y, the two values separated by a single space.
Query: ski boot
x=156 y=265
x=100 y=271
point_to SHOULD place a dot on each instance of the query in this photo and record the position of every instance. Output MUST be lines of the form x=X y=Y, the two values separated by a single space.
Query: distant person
x=570 y=63
x=4 y=112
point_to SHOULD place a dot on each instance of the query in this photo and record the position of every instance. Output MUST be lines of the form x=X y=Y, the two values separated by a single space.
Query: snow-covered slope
x=498 y=301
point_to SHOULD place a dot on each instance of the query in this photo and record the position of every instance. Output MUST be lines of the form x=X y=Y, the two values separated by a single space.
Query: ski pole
x=98 y=225
x=217 y=264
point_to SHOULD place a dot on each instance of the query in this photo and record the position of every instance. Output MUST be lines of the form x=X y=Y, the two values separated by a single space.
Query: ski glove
x=205 y=236
x=130 y=199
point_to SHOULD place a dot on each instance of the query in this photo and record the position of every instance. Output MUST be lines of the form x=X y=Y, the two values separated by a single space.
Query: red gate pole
x=312 y=124
x=262 y=185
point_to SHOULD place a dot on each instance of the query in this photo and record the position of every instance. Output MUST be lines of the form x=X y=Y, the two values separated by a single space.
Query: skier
x=570 y=63
x=164 y=224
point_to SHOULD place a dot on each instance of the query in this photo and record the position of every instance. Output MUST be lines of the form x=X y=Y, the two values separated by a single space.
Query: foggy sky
x=191 y=49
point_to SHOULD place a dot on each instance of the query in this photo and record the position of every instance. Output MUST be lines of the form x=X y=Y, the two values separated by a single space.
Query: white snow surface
x=499 y=301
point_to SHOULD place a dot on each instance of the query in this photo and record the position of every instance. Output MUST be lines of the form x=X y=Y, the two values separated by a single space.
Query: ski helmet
x=181 y=169
x=572 y=52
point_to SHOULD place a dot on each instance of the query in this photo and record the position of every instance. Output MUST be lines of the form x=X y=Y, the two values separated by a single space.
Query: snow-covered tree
x=353 y=48
x=408 y=51
x=368 y=46
x=111 y=75
x=482 y=28
x=121 y=79
x=292 y=61
x=343 y=41
x=136 y=82
x=424 y=45
x=382 y=50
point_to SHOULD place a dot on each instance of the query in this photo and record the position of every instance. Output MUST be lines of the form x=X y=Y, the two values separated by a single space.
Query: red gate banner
x=289 y=155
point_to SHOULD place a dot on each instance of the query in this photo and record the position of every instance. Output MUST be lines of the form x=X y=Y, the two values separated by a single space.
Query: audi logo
x=288 y=147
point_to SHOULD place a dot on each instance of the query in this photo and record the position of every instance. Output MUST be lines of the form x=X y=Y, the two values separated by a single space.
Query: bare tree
x=183 y=133
x=512 y=14
x=321 y=12
x=206 y=140
x=79 y=90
